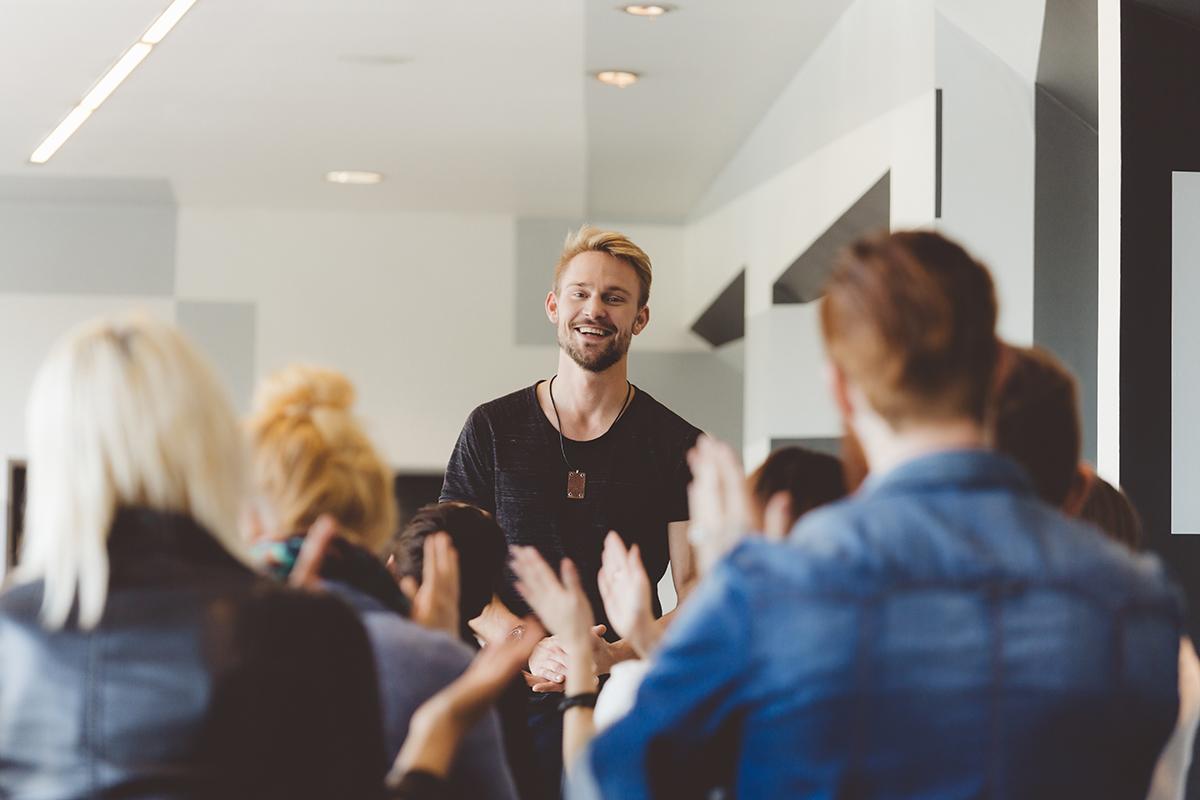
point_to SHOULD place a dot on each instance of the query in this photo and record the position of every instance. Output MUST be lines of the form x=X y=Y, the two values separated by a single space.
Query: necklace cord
x=562 y=447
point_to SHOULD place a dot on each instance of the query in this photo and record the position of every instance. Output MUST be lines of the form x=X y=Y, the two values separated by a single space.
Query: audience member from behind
x=789 y=484
x=1108 y=508
x=1035 y=421
x=310 y=458
x=483 y=552
x=477 y=539
x=139 y=655
x=942 y=632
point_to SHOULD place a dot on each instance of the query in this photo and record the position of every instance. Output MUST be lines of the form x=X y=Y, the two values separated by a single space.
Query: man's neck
x=888 y=449
x=587 y=401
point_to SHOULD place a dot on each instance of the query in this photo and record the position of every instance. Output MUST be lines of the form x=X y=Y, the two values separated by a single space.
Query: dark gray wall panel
x=724 y=320
x=226 y=334
x=1066 y=234
x=1067 y=62
x=87 y=237
x=804 y=280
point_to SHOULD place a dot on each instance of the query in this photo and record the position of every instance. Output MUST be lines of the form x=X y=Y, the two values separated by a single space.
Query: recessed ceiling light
x=108 y=84
x=619 y=78
x=354 y=176
x=647 y=10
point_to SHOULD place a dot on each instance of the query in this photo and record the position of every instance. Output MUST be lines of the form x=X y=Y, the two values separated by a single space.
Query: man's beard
x=596 y=359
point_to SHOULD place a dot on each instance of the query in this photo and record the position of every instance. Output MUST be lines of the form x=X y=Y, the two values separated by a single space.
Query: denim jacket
x=942 y=634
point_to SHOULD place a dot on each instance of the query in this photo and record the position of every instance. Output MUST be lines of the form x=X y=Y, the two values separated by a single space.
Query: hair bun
x=301 y=390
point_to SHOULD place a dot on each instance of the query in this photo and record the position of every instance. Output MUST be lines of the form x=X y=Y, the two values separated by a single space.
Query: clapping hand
x=717 y=499
x=435 y=601
x=625 y=590
x=564 y=608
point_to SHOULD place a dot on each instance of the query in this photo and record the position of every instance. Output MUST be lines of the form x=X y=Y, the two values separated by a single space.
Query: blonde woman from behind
x=311 y=459
x=139 y=655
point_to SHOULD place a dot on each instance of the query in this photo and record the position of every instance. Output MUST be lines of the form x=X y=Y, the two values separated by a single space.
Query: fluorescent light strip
x=162 y=26
x=112 y=79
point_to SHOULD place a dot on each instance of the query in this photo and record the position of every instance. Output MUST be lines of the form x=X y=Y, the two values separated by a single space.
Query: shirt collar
x=962 y=468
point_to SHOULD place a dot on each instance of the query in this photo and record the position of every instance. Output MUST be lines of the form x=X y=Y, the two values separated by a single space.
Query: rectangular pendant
x=576 y=484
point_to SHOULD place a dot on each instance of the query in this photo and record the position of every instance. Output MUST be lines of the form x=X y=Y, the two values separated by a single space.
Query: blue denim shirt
x=942 y=634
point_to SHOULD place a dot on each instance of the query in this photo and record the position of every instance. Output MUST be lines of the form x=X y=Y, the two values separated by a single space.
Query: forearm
x=495 y=622
x=431 y=743
x=578 y=727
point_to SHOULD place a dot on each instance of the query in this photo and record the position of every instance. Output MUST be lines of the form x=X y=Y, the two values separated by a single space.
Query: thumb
x=409 y=586
x=599 y=630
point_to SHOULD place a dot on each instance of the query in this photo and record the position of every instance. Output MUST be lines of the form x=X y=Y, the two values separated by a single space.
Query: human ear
x=552 y=307
x=641 y=320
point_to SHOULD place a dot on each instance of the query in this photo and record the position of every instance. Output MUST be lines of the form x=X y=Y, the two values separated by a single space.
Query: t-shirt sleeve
x=678 y=478
x=470 y=474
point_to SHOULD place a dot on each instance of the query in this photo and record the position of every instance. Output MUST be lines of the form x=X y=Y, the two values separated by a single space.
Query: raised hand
x=306 y=573
x=435 y=601
x=625 y=590
x=718 y=500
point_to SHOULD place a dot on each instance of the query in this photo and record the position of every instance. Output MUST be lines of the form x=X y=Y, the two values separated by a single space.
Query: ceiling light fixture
x=354 y=177
x=619 y=78
x=642 y=10
x=108 y=84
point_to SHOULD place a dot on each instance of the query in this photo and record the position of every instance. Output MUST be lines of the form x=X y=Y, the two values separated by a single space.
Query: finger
x=429 y=552
x=570 y=577
x=599 y=630
x=409 y=587
x=777 y=516
x=306 y=571
x=547 y=687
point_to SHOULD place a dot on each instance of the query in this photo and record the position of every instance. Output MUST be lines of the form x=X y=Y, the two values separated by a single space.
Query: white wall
x=418 y=309
x=863 y=104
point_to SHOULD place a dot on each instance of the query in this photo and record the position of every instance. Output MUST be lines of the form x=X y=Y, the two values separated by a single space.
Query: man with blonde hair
x=564 y=461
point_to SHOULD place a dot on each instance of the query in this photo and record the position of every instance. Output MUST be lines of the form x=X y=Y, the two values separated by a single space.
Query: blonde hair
x=593 y=240
x=123 y=412
x=310 y=456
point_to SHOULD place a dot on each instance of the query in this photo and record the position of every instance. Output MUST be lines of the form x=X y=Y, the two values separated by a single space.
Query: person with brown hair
x=311 y=459
x=943 y=632
x=791 y=482
x=564 y=461
x=1035 y=420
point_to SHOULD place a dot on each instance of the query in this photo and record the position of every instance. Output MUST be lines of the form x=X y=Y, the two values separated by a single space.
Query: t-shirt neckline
x=537 y=408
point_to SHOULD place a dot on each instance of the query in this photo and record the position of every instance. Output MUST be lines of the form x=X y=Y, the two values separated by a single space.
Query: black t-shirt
x=507 y=461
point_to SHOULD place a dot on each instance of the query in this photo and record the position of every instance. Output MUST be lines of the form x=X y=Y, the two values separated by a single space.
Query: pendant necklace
x=577 y=479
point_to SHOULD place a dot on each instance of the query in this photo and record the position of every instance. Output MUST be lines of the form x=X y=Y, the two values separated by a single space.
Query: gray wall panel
x=225 y=333
x=539 y=243
x=87 y=237
x=1066 y=242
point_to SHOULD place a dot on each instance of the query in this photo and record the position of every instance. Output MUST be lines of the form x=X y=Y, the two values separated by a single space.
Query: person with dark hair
x=790 y=483
x=943 y=632
x=1109 y=509
x=481 y=548
x=1035 y=419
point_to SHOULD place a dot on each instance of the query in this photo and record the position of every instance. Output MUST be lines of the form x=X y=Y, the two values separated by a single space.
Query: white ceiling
x=250 y=102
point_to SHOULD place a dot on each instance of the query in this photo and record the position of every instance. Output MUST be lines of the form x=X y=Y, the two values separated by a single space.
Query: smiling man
x=564 y=461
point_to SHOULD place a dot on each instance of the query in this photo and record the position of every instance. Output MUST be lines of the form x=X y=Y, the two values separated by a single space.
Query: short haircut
x=593 y=240
x=123 y=412
x=482 y=550
x=811 y=479
x=310 y=456
x=1035 y=419
x=910 y=318
x=1109 y=508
